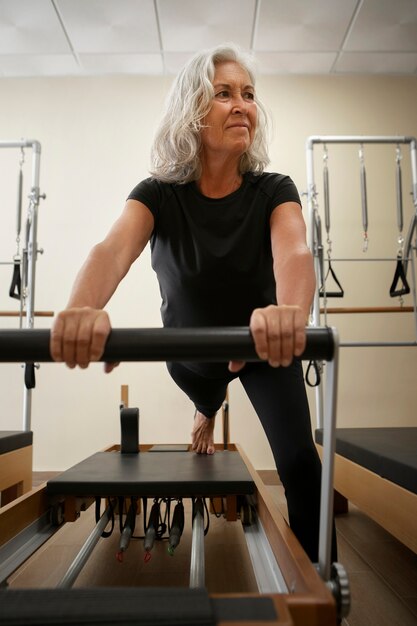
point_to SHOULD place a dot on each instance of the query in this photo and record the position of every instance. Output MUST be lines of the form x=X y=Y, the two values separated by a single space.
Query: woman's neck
x=219 y=181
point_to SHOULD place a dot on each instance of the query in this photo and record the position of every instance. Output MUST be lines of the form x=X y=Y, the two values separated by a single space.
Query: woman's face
x=229 y=127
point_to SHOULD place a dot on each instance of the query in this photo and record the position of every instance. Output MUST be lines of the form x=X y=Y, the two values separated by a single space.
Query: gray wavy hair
x=176 y=147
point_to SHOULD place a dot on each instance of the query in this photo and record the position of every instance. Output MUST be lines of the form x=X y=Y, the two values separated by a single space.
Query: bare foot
x=202 y=440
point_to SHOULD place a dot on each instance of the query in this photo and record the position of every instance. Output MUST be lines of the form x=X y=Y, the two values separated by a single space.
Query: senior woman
x=228 y=246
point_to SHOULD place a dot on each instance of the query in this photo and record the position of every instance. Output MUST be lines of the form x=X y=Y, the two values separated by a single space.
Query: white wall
x=96 y=135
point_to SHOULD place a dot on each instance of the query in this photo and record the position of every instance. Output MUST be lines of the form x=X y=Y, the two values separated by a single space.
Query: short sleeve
x=149 y=193
x=284 y=190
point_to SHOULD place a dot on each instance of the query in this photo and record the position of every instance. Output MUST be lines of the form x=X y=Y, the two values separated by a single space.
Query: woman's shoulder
x=267 y=180
x=277 y=187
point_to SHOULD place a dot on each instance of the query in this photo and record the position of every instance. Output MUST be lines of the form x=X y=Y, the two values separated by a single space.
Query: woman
x=229 y=248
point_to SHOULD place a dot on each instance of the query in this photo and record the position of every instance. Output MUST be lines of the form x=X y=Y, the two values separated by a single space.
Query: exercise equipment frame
x=410 y=244
x=311 y=591
x=32 y=252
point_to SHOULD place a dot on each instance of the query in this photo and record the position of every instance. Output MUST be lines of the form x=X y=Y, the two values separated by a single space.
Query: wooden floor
x=382 y=572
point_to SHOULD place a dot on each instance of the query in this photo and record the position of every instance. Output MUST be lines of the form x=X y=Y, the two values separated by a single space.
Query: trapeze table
x=291 y=590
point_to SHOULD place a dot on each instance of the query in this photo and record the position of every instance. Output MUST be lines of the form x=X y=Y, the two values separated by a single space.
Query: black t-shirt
x=213 y=257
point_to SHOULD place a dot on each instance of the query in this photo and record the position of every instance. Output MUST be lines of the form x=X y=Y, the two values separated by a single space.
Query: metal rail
x=84 y=554
x=197 y=566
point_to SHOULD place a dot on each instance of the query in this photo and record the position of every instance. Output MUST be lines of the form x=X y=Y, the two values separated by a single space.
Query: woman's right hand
x=79 y=335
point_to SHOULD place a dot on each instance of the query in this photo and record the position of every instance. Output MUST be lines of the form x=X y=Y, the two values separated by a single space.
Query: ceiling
x=155 y=37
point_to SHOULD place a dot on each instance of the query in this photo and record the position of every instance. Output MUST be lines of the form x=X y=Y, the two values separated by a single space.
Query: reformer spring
x=323 y=292
x=364 y=199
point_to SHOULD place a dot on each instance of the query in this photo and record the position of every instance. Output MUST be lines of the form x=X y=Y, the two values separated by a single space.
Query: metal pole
x=377 y=139
x=329 y=448
x=84 y=554
x=197 y=567
x=32 y=253
x=311 y=192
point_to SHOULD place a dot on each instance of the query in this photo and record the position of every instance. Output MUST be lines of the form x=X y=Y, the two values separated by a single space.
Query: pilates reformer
x=370 y=463
x=292 y=590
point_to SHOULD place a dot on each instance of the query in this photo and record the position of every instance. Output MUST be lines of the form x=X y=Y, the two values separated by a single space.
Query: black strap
x=399 y=279
x=331 y=294
x=30 y=380
x=16 y=284
x=313 y=366
x=129 y=426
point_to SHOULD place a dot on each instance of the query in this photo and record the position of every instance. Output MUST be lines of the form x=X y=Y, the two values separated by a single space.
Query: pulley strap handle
x=313 y=367
x=332 y=294
x=16 y=284
x=30 y=380
x=399 y=278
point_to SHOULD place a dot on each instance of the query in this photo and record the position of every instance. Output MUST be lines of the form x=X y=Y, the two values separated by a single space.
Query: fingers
x=236 y=366
x=278 y=333
x=79 y=335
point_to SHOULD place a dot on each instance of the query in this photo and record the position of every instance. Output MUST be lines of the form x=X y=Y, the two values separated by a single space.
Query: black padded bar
x=162 y=344
x=107 y=607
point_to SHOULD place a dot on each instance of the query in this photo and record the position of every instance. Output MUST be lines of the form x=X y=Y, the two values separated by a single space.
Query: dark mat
x=389 y=452
x=155 y=474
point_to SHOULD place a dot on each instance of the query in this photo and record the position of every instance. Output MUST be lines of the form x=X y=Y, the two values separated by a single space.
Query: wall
x=96 y=135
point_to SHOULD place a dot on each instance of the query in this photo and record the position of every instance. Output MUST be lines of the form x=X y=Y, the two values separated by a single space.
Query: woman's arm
x=80 y=331
x=279 y=331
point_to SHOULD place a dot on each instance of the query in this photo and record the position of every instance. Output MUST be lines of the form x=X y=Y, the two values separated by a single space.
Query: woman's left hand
x=278 y=333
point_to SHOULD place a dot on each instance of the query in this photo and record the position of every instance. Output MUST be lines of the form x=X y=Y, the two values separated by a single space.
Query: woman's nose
x=239 y=104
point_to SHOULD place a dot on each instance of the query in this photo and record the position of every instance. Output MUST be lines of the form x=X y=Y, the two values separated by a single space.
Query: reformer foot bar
x=309 y=596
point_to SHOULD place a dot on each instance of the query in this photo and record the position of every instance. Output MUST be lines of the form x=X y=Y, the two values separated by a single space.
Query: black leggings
x=279 y=398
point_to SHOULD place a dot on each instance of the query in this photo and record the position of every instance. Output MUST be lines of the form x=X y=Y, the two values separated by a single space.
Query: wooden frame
x=15 y=474
x=391 y=506
x=309 y=602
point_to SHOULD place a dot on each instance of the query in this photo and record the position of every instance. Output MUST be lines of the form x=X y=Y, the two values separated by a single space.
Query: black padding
x=389 y=452
x=162 y=344
x=14 y=439
x=106 y=606
x=156 y=474
x=129 y=428
x=242 y=610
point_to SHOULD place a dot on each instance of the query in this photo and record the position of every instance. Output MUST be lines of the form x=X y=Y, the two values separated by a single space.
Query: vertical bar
x=311 y=190
x=312 y=244
x=329 y=448
x=32 y=256
x=413 y=158
x=197 y=567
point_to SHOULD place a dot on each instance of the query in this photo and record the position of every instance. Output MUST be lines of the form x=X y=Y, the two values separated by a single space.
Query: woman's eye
x=249 y=95
x=222 y=94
